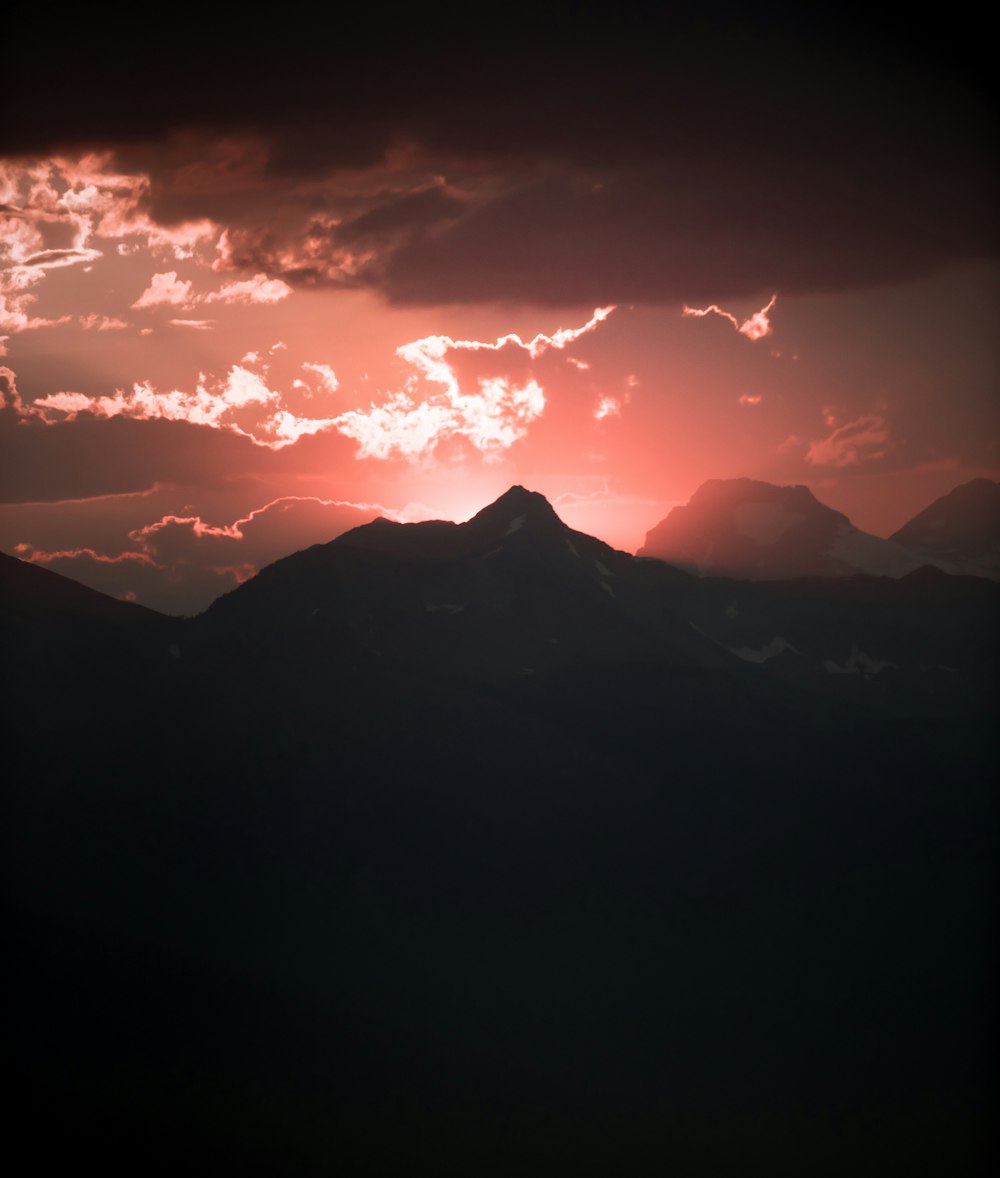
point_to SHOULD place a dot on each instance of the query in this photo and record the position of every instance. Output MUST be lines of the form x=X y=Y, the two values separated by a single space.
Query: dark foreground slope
x=478 y=850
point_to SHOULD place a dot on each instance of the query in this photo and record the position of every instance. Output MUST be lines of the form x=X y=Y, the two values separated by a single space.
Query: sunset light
x=500 y=580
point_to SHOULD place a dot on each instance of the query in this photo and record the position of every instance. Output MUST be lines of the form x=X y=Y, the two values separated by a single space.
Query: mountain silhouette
x=485 y=848
x=960 y=532
x=745 y=528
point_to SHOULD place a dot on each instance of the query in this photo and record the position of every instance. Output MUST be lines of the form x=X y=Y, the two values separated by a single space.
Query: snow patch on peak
x=857 y=663
x=516 y=524
x=770 y=650
x=603 y=570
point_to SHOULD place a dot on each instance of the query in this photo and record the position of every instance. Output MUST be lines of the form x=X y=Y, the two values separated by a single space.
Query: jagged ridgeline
x=484 y=848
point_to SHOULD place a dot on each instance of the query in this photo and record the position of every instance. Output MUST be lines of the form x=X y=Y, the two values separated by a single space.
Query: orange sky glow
x=215 y=351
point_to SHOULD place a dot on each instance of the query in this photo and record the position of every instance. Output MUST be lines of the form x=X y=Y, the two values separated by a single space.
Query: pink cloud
x=9 y=396
x=863 y=440
x=241 y=403
x=102 y=323
x=755 y=327
x=259 y=289
x=59 y=259
x=183 y=561
x=35 y=556
x=750 y=399
x=15 y=316
x=327 y=377
x=490 y=412
x=87 y=199
x=492 y=418
x=167 y=290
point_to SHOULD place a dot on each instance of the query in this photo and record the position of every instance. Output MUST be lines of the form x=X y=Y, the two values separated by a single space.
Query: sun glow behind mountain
x=205 y=322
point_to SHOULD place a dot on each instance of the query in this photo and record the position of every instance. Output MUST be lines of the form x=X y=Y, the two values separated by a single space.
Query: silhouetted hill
x=28 y=592
x=485 y=848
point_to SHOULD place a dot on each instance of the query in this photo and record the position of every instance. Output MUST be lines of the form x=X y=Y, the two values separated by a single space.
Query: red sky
x=231 y=329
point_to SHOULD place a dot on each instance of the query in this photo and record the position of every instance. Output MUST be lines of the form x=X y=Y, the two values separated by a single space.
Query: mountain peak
x=745 y=528
x=732 y=492
x=519 y=501
x=961 y=530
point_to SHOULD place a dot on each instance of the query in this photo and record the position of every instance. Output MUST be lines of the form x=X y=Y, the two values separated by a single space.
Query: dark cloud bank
x=630 y=159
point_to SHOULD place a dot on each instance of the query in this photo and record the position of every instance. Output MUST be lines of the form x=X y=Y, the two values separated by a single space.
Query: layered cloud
x=167 y=290
x=492 y=417
x=489 y=411
x=181 y=563
x=241 y=402
x=865 y=439
x=681 y=158
x=754 y=327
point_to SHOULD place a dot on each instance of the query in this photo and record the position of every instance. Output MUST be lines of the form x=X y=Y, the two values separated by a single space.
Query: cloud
x=194 y=324
x=620 y=170
x=435 y=404
x=492 y=418
x=34 y=556
x=95 y=322
x=241 y=403
x=167 y=290
x=757 y=326
x=749 y=399
x=259 y=289
x=15 y=316
x=74 y=201
x=216 y=404
x=9 y=396
x=863 y=440
x=181 y=563
x=607 y=407
x=328 y=378
x=58 y=259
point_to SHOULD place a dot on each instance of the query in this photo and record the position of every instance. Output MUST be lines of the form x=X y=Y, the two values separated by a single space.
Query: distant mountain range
x=486 y=848
x=744 y=528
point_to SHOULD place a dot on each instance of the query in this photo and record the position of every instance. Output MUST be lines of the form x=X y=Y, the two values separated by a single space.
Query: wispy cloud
x=492 y=417
x=97 y=322
x=755 y=327
x=865 y=439
x=435 y=404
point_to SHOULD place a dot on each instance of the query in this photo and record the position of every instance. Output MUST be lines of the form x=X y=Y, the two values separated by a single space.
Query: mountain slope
x=373 y=877
x=960 y=532
x=512 y=592
x=744 y=528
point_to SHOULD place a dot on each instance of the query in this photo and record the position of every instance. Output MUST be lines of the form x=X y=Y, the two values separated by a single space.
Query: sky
x=260 y=283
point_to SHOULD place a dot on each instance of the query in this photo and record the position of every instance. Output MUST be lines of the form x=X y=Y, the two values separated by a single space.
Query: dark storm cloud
x=691 y=230
x=408 y=214
x=89 y=456
x=686 y=158
x=55 y=259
